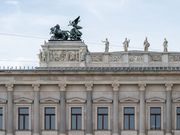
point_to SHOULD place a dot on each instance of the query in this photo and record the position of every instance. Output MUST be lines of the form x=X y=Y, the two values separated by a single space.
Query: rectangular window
x=102 y=118
x=1 y=118
x=129 y=118
x=178 y=118
x=76 y=118
x=49 y=118
x=23 y=118
x=155 y=118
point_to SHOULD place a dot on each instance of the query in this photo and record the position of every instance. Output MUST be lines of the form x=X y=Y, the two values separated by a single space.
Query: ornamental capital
x=115 y=86
x=62 y=86
x=142 y=86
x=36 y=86
x=89 y=86
x=9 y=86
x=169 y=86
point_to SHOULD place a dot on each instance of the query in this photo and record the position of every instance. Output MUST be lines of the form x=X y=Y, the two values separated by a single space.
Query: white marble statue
x=126 y=44
x=146 y=45
x=106 y=42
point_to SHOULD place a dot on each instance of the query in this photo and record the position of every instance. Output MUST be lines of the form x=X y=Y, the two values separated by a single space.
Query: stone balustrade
x=76 y=54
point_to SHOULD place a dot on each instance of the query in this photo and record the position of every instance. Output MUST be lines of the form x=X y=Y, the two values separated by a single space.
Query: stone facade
x=71 y=77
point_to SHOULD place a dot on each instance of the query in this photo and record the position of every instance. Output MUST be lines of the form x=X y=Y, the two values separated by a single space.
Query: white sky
x=31 y=20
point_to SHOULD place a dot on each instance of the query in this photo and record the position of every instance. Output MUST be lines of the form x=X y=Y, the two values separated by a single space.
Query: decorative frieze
x=97 y=57
x=115 y=58
x=174 y=58
x=156 y=58
x=135 y=58
x=64 y=55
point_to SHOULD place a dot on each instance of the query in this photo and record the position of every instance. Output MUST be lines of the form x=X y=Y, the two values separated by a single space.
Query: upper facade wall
x=76 y=54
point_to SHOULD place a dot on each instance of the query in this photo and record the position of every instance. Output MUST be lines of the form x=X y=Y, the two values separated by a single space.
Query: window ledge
x=129 y=132
x=159 y=132
x=76 y=132
x=103 y=132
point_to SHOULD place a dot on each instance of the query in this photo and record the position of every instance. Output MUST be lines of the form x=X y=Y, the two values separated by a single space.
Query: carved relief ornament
x=9 y=87
x=142 y=86
x=89 y=86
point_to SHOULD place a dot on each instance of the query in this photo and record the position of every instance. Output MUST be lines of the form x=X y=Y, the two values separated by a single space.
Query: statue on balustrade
x=146 y=45
x=106 y=42
x=165 y=44
x=126 y=44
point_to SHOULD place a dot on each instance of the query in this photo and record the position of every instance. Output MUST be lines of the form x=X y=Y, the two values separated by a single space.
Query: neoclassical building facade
x=77 y=92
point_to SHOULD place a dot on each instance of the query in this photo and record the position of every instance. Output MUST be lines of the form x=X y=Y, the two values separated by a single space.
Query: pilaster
x=169 y=108
x=142 y=88
x=62 y=123
x=115 y=87
x=89 y=122
x=36 y=115
x=10 y=121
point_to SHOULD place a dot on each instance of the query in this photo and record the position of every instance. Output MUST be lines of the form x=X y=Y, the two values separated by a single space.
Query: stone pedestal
x=63 y=54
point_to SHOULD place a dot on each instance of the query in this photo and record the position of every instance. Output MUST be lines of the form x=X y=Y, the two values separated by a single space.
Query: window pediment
x=176 y=100
x=49 y=100
x=129 y=100
x=102 y=100
x=3 y=101
x=23 y=100
x=155 y=100
x=76 y=100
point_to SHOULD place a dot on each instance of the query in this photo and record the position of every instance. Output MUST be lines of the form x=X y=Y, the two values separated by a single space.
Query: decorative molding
x=155 y=100
x=36 y=87
x=76 y=100
x=115 y=86
x=89 y=86
x=129 y=100
x=142 y=86
x=9 y=86
x=49 y=100
x=102 y=100
x=23 y=100
x=176 y=100
x=169 y=86
x=62 y=86
x=3 y=101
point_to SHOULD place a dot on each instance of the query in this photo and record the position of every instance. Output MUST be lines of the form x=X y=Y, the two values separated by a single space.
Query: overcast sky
x=25 y=24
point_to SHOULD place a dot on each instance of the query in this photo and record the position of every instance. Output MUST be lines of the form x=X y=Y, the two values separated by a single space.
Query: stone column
x=36 y=114
x=142 y=109
x=115 y=109
x=168 y=109
x=89 y=122
x=62 y=124
x=10 y=110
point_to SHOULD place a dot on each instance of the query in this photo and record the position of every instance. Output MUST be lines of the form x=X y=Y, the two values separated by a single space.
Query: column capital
x=36 y=87
x=168 y=86
x=9 y=86
x=115 y=86
x=142 y=86
x=62 y=86
x=89 y=86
